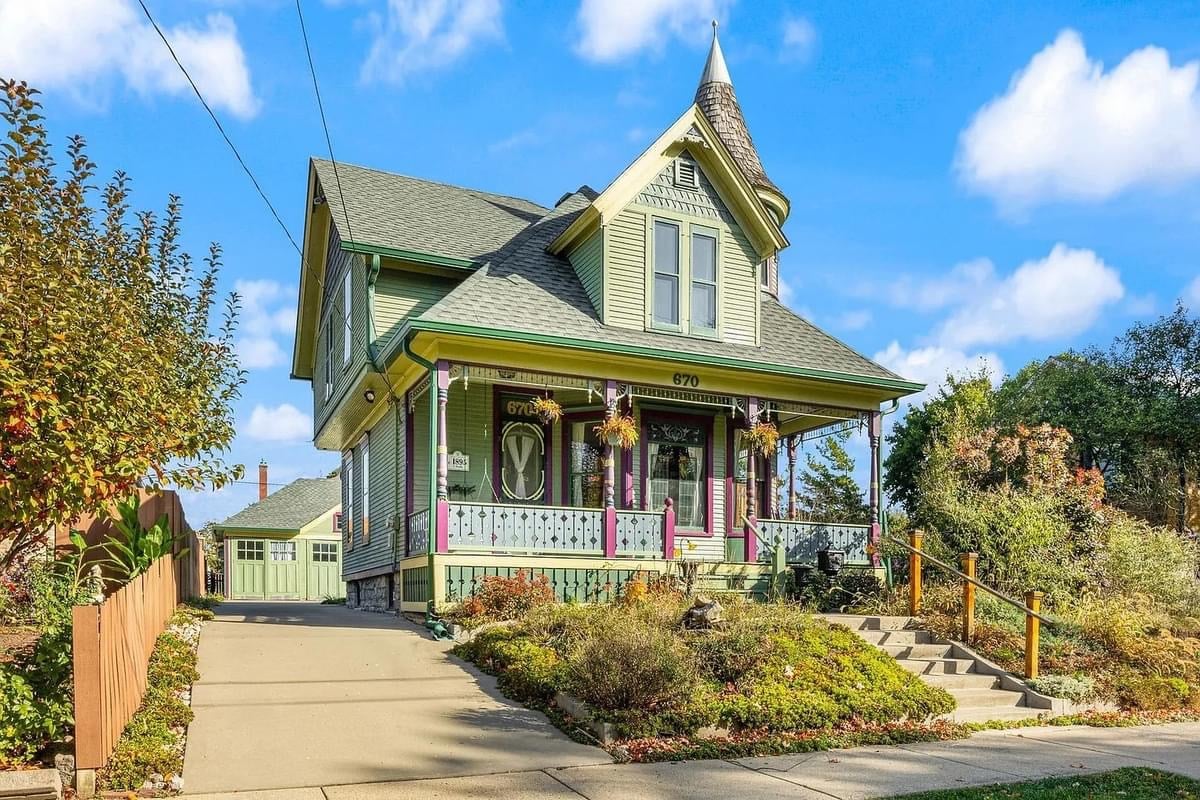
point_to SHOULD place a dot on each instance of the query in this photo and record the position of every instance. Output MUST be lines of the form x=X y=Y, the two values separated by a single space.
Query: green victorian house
x=432 y=316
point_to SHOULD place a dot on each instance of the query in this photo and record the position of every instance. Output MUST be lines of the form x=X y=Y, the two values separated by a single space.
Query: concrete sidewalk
x=300 y=694
x=986 y=758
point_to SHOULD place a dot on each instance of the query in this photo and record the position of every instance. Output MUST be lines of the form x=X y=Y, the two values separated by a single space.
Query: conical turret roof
x=716 y=99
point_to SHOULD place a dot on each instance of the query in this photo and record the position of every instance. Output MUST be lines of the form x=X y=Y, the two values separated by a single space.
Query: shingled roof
x=403 y=213
x=290 y=508
x=716 y=99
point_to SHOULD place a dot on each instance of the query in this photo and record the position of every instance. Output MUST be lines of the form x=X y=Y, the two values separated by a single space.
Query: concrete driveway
x=300 y=694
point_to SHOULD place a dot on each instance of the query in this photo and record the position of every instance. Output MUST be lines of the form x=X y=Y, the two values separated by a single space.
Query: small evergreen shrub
x=1076 y=688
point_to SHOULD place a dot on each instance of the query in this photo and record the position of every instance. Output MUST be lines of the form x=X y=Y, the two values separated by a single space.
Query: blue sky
x=967 y=179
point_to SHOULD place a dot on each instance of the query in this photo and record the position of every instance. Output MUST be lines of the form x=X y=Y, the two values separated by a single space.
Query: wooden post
x=443 y=398
x=874 y=433
x=89 y=721
x=751 y=541
x=610 y=453
x=669 y=530
x=1033 y=631
x=791 y=467
x=968 y=622
x=915 y=540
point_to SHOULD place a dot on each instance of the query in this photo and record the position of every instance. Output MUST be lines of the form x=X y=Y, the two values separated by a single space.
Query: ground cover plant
x=765 y=669
x=1130 y=783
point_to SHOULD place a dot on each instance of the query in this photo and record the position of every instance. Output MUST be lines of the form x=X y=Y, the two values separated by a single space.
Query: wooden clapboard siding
x=374 y=552
x=400 y=294
x=111 y=645
x=625 y=271
x=333 y=316
x=588 y=261
x=738 y=274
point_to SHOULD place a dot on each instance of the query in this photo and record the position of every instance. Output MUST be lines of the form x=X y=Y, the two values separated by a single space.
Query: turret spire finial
x=715 y=70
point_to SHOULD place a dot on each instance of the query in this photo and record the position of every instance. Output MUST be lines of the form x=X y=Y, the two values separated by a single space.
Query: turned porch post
x=791 y=466
x=610 y=452
x=874 y=431
x=441 y=516
x=751 y=540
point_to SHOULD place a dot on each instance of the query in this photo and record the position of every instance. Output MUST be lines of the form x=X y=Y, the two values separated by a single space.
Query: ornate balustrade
x=418 y=532
x=640 y=533
x=497 y=527
x=803 y=540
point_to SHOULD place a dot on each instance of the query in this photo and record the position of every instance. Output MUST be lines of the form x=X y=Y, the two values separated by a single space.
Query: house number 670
x=684 y=379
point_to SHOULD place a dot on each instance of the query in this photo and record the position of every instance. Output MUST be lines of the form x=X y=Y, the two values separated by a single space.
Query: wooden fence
x=112 y=646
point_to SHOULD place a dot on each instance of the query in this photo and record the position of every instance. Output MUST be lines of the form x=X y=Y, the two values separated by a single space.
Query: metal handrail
x=974 y=582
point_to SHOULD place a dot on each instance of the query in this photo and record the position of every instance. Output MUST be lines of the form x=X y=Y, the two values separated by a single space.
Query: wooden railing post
x=968 y=621
x=669 y=530
x=1033 y=600
x=915 y=540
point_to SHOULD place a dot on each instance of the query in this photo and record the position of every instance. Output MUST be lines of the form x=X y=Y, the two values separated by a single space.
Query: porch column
x=610 y=483
x=874 y=431
x=442 y=516
x=750 y=542
x=791 y=467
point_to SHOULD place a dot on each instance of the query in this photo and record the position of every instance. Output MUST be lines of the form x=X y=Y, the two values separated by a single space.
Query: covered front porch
x=494 y=486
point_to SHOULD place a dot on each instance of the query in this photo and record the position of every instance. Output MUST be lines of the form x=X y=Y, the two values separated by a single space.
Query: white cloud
x=81 y=47
x=282 y=423
x=1191 y=294
x=1056 y=296
x=268 y=310
x=799 y=39
x=854 y=320
x=1066 y=129
x=964 y=281
x=610 y=30
x=931 y=365
x=414 y=36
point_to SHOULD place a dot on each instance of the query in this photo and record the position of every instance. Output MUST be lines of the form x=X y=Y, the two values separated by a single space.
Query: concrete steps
x=981 y=696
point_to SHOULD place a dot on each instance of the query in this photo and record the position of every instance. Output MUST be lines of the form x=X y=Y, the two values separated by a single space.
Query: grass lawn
x=1131 y=783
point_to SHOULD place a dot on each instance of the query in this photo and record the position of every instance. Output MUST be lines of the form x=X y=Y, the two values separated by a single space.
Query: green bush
x=526 y=669
x=1152 y=693
x=206 y=602
x=626 y=666
x=1158 y=563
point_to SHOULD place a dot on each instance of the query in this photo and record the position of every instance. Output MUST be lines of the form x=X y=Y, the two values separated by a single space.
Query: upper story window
x=704 y=280
x=364 y=449
x=329 y=355
x=666 y=273
x=346 y=300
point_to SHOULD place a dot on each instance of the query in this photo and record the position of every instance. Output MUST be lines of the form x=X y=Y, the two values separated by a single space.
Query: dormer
x=686 y=238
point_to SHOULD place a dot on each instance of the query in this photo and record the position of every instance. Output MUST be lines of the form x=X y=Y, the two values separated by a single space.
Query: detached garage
x=287 y=546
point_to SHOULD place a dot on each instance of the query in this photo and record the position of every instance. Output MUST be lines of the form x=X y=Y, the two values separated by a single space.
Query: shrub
x=1077 y=688
x=206 y=602
x=623 y=666
x=500 y=598
x=1154 y=562
x=1151 y=693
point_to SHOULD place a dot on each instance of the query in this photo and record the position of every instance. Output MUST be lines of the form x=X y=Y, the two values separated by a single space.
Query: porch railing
x=803 y=540
x=496 y=527
x=418 y=532
x=640 y=533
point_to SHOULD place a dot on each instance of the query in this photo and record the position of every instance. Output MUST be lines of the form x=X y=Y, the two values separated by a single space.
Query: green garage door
x=285 y=580
x=325 y=570
x=248 y=569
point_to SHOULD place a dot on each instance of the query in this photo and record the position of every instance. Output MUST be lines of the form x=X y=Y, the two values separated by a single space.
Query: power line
x=217 y=122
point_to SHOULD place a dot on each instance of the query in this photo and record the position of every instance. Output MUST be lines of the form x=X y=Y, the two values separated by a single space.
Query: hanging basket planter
x=619 y=431
x=762 y=437
x=547 y=409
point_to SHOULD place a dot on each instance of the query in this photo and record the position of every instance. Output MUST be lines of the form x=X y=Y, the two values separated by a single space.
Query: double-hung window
x=704 y=280
x=329 y=323
x=666 y=273
x=348 y=496
x=365 y=455
x=346 y=316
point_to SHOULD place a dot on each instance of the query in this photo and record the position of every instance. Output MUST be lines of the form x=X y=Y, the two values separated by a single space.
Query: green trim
x=434 y=326
x=409 y=255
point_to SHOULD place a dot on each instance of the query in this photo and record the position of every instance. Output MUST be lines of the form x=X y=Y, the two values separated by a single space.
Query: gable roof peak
x=715 y=70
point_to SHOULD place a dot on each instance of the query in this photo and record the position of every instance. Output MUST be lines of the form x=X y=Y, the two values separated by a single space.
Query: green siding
x=332 y=315
x=625 y=271
x=569 y=584
x=469 y=430
x=420 y=452
x=739 y=288
x=588 y=260
x=376 y=553
x=400 y=294
x=662 y=194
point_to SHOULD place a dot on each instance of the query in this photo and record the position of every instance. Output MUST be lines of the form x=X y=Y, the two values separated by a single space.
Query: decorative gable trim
x=691 y=132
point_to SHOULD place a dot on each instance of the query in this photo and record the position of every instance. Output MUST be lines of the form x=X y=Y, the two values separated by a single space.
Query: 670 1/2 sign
x=685 y=379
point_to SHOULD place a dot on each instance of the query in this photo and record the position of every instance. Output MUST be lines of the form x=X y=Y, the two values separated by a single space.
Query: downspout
x=431 y=543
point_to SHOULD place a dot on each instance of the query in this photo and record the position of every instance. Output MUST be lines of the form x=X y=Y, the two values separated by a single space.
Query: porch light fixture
x=369 y=395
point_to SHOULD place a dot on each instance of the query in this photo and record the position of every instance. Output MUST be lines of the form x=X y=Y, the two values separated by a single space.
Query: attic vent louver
x=685 y=174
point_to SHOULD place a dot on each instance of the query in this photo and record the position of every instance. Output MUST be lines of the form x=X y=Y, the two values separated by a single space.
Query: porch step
x=980 y=697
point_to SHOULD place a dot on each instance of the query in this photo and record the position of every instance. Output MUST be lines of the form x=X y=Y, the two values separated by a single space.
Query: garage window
x=283 y=551
x=324 y=552
x=249 y=550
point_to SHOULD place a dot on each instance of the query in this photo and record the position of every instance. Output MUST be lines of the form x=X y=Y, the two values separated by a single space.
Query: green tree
x=1159 y=362
x=826 y=489
x=113 y=372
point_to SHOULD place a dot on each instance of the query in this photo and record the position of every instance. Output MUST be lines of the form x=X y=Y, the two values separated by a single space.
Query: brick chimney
x=262 y=480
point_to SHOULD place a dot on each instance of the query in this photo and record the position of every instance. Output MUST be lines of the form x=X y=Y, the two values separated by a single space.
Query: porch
x=492 y=487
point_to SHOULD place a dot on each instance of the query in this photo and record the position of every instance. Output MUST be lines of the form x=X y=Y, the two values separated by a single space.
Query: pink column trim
x=443 y=525
x=750 y=543
x=610 y=531
x=669 y=530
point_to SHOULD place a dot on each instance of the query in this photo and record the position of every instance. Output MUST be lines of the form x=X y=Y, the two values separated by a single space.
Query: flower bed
x=766 y=672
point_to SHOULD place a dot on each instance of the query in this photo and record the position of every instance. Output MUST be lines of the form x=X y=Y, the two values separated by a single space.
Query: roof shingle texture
x=720 y=107
x=529 y=290
x=405 y=213
x=290 y=508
